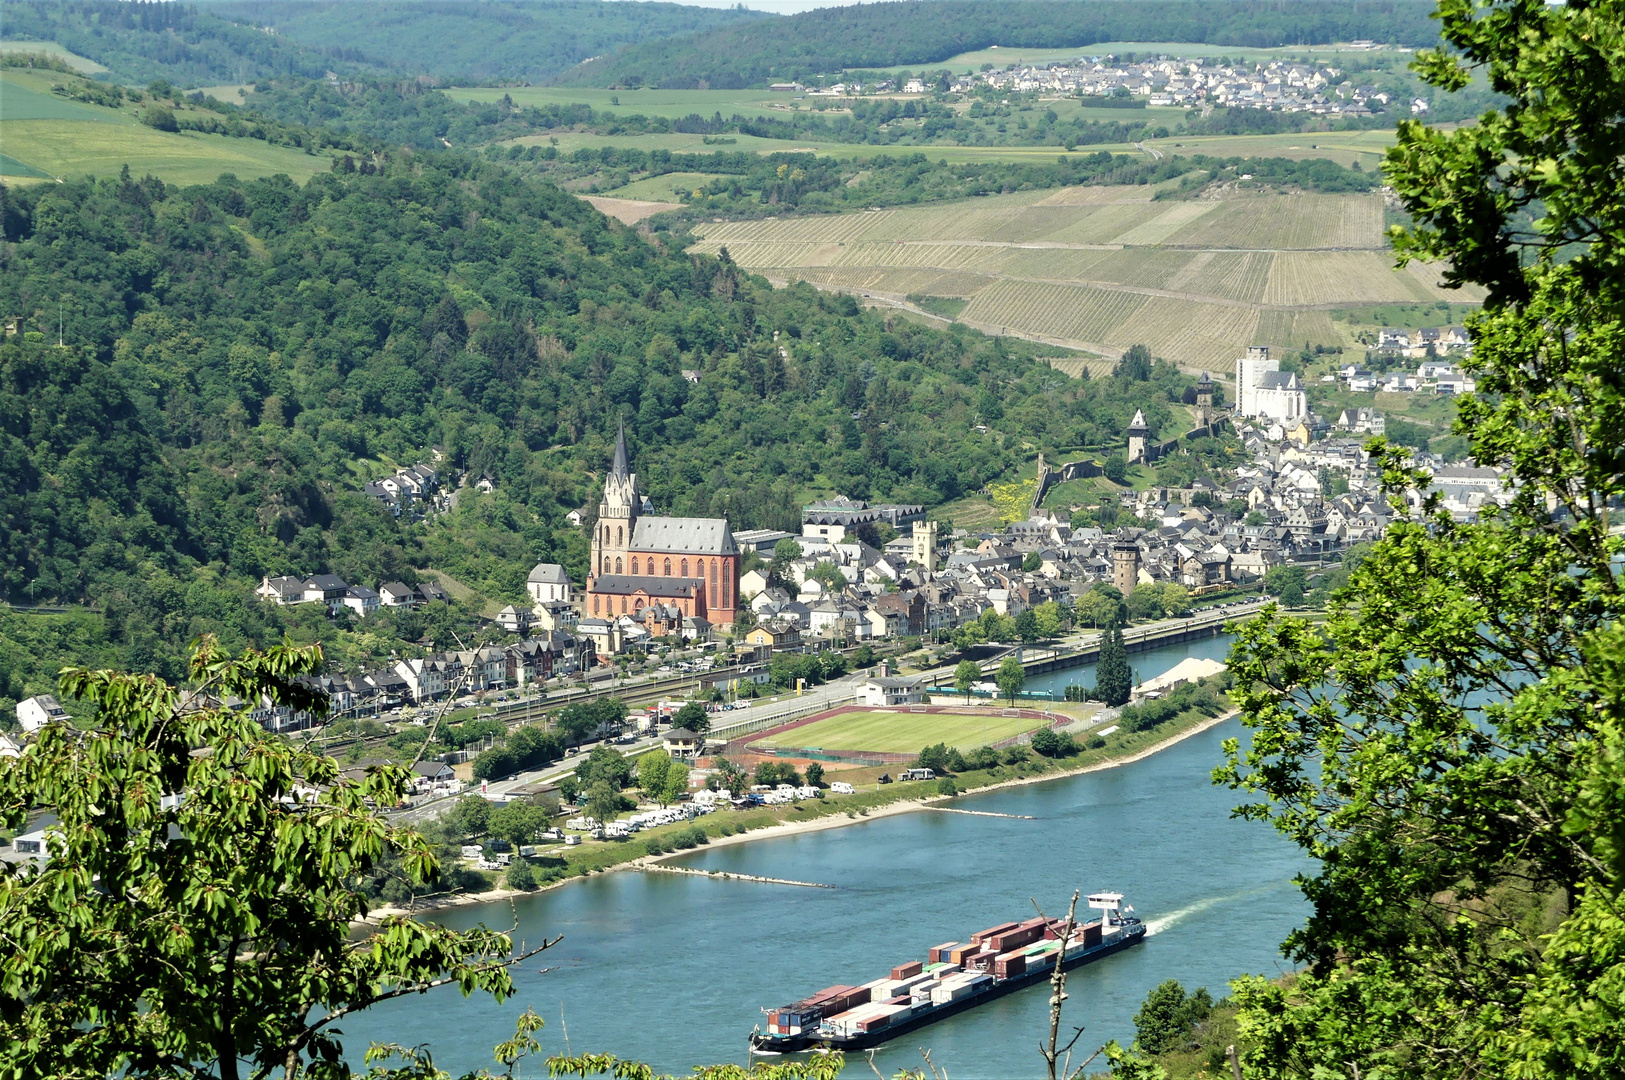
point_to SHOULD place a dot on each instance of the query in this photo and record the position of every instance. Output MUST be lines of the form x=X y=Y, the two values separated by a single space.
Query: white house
x=35 y=712
x=891 y=690
x=359 y=599
x=547 y=583
x=514 y=620
x=8 y=748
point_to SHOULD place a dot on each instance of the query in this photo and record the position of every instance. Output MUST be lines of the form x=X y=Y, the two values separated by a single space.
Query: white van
x=841 y=787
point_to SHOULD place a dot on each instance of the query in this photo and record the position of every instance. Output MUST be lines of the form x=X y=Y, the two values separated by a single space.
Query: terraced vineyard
x=1103 y=268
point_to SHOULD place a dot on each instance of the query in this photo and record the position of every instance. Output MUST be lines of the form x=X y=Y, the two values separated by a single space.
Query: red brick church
x=689 y=563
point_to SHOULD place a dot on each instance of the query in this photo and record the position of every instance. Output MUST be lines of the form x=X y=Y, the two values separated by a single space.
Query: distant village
x=1277 y=86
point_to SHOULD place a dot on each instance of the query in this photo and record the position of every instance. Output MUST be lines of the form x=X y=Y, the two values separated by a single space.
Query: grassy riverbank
x=560 y=864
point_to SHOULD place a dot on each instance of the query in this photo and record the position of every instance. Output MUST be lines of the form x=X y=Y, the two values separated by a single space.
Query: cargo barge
x=953 y=978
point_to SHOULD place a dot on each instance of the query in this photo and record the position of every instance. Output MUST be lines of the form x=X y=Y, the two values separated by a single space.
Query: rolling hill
x=889 y=34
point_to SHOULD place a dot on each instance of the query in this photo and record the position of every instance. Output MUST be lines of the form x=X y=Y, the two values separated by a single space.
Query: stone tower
x=925 y=544
x=1125 y=565
x=1204 y=400
x=1139 y=437
x=617 y=513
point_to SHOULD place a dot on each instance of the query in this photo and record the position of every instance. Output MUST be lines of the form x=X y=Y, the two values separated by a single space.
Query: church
x=639 y=560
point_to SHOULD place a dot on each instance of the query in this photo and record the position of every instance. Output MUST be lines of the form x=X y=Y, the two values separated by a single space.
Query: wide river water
x=673 y=969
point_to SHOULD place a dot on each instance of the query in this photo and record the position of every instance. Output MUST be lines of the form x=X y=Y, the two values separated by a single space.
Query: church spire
x=1138 y=423
x=622 y=465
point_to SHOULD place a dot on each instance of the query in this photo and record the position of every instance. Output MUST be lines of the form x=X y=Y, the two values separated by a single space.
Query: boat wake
x=1153 y=927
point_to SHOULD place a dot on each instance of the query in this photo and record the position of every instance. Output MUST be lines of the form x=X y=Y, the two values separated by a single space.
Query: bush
x=946 y=786
x=520 y=875
x=1095 y=742
x=815 y=774
x=1015 y=755
x=1046 y=742
x=495 y=762
x=159 y=118
x=983 y=757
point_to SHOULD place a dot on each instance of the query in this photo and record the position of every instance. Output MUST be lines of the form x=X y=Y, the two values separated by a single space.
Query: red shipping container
x=939 y=953
x=1009 y=965
x=991 y=931
x=1015 y=939
x=908 y=970
x=1091 y=934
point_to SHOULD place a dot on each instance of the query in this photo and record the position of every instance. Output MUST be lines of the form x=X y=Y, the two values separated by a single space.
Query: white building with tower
x=1264 y=391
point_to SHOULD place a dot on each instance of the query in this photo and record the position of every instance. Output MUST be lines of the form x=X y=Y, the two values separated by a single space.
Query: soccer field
x=903 y=732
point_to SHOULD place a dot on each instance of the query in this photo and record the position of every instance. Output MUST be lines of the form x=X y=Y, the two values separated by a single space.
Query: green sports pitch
x=903 y=732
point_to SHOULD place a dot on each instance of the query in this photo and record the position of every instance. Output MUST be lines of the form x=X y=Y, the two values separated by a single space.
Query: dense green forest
x=892 y=34
x=241 y=356
x=490 y=41
x=141 y=42
x=229 y=42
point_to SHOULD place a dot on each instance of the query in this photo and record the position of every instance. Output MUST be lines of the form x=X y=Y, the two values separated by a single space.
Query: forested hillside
x=241 y=357
x=141 y=42
x=248 y=40
x=889 y=34
x=477 y=42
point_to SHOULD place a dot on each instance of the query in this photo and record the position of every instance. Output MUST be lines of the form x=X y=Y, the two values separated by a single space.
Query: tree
x=966 y=675
x=675 y=785
x=160 y=117
x=1135 y=364
x=1168 y=1014
x=652 y=770
x=1255 y=517
x=1046 y=742
x=1051 y=618
x=1447 y=745
x=495 y=763
x=1113 y=679
x=569 y=788
x=520 y=875
x=828 y=575
x=1026 y=626
x=694 y=717
x=1279 y=580
x=730 y=777
x=815 y=774
x=1011 y=677
x=603 y=802
x=470 y=815
x=1032 y=562
x=209 y=932
x=1115 y=468
x=785 y=552
x=1145 y=602
x=517 y=823
x=935 y=758
x=1176 y=599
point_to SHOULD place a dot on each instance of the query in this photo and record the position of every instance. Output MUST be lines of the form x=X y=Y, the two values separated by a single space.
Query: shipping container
x=992 y=931
x=938 y=954
x=908 y=970
x=1009 y=965
x=960 y=953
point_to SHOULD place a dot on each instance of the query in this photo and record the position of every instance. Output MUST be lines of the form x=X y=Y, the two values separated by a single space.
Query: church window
x=685 y=568
x=634 y=564
x=714 y=585
x=668 y=568
x=595 y=605
x=617 y=536
x=623 y=605
x=617 y=565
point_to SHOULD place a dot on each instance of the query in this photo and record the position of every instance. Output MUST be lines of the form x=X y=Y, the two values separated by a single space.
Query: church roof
x=1279 y=380
x=622 y=465
x=547 y=573
x=688 y=536
x=668 y=587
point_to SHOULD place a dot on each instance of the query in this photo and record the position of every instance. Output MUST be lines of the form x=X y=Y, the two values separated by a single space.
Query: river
x=673 y=969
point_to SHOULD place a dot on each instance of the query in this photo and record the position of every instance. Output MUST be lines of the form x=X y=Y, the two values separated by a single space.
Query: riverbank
x=844 y=811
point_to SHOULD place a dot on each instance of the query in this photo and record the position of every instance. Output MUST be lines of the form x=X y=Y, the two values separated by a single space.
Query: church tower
x=1204 y=400
x=925 y=544
x=617 y=513
x=1138 y=437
